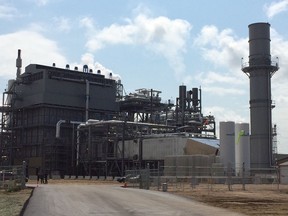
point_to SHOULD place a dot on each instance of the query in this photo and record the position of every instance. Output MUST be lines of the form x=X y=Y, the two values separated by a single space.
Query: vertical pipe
x=78 y=146
x=200 y=99
x=87 y=99
x=151 y=106
x=182 y=102
x=140 y=151
x=90 y=151
x=72 y=148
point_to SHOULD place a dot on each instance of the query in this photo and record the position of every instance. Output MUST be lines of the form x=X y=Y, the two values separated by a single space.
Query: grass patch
x=12 y=202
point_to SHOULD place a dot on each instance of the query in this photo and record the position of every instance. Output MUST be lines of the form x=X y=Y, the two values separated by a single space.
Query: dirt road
x=112 y=200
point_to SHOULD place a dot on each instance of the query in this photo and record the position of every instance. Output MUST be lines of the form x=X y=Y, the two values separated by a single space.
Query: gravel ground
x=254 y=200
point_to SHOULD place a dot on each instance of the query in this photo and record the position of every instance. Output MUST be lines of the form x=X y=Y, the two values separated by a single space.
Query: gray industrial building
x=72 y=121
x=37 y=99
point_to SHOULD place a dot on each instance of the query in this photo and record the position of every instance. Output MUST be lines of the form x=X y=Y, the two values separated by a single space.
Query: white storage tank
x=242 y=148
x=227 y=144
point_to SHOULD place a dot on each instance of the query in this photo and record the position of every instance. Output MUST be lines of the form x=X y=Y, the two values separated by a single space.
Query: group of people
x=42 y=176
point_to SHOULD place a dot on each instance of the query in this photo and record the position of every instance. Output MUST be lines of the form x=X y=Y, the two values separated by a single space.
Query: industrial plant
x=75 y=121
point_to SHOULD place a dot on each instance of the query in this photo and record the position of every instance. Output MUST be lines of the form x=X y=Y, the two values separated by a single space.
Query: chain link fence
x=13 y=177
x=213 y=177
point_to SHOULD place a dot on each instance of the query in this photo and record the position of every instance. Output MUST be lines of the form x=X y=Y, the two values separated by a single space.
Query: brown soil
x=254 y=200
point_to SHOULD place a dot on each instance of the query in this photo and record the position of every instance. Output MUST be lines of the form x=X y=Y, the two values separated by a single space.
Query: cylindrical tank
x=227 y=143
x=242 y=148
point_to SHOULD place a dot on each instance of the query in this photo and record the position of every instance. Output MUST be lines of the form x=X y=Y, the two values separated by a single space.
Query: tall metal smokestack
x=19 y=63
x=260 y=69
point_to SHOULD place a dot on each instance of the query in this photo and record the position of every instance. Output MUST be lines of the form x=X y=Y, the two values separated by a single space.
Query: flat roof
x=211 y=142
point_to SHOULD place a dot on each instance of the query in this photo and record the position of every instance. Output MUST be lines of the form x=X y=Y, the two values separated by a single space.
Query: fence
x=185 y=177
x=13 y=177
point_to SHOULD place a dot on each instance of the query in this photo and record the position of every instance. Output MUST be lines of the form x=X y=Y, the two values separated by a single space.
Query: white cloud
x=160 y=35
x=88 y=59
x=37 y=27
x=223 y=91
x=275 y=8
x=107 y=72
x=224 y=114
x=223 y=51
x=279 y=47
x=7 y=12
x=35 y=49
x=212 y=77
x=222 y=48
x=88 y=23
x=62 y=24
x=41 y=2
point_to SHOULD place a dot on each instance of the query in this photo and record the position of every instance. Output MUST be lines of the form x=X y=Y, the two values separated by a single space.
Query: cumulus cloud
x=41 y=2
x=222 y=48
x=279 y=48
x=88 y=23
x=223 y=91
x=212 y=77
x=160 y=35
x=7 y=12
x=35 y=49
x=225 y=114
x=275 y=8
x=88 y=59
x=62 y=24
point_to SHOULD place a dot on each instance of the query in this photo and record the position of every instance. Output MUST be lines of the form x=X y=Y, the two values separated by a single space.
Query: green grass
x=11 y=203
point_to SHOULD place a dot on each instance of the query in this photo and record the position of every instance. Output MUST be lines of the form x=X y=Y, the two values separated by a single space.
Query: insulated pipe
x=78 y=143
x=58 y=126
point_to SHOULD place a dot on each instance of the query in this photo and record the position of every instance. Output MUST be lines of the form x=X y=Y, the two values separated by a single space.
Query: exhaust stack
x=18 y=63
x=260 y=69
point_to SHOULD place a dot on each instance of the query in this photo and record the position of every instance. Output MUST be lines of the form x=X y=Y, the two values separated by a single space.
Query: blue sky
x=157 y=44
